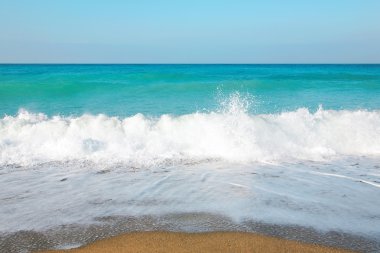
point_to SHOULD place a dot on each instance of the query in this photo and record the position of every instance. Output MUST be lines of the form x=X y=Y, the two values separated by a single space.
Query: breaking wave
x=230 y=134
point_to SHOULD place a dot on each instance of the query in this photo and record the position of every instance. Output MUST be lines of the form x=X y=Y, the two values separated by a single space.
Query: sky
x=191 y=31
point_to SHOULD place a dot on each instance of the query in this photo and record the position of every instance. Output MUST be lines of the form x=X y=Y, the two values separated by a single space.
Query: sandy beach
x=197 y=242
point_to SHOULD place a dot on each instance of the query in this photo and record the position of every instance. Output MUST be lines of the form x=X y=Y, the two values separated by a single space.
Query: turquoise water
x=152 y=114
x=124 y=90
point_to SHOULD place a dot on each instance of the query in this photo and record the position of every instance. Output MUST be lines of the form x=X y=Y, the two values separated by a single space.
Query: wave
x=231 y=134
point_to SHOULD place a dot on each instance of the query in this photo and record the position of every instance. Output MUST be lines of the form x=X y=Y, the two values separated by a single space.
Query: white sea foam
x=318 y=169
x=231 y=134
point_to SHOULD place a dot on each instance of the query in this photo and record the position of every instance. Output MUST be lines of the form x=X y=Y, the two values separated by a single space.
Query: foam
x=313 y=169
x=230 y=134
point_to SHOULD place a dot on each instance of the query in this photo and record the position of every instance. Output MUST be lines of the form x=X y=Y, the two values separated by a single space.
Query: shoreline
x=200 y=225
x=160 y=241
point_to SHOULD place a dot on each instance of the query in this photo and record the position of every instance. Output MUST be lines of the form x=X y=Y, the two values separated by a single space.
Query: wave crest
x=231 y=135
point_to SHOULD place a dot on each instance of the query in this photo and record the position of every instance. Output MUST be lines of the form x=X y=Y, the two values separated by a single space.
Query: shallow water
x=317 y=195
x=321 y=195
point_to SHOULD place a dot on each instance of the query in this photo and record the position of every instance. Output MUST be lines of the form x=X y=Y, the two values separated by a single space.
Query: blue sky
x=196 y=31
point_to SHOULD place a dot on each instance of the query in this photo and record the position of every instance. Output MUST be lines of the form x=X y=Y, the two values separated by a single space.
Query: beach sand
x=197 y=242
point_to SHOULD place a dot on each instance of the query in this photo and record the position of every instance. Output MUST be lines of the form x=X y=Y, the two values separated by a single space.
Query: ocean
x=189 y=148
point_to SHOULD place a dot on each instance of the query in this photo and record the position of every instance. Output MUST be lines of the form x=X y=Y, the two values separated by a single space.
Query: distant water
x=282 y=144
x=125 y=90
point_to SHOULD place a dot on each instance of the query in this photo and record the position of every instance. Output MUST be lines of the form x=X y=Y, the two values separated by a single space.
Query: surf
x=230 y=134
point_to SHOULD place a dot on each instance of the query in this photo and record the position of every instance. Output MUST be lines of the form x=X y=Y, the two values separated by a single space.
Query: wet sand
x=189 y=231
x=197 y=242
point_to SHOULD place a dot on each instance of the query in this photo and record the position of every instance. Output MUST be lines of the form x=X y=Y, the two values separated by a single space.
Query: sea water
x=295 y=145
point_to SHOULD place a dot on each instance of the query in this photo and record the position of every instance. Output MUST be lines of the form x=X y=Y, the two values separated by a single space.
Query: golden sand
x=197 y=242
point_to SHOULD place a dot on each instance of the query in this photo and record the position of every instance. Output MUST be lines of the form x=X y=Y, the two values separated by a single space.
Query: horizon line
x=108 y=63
